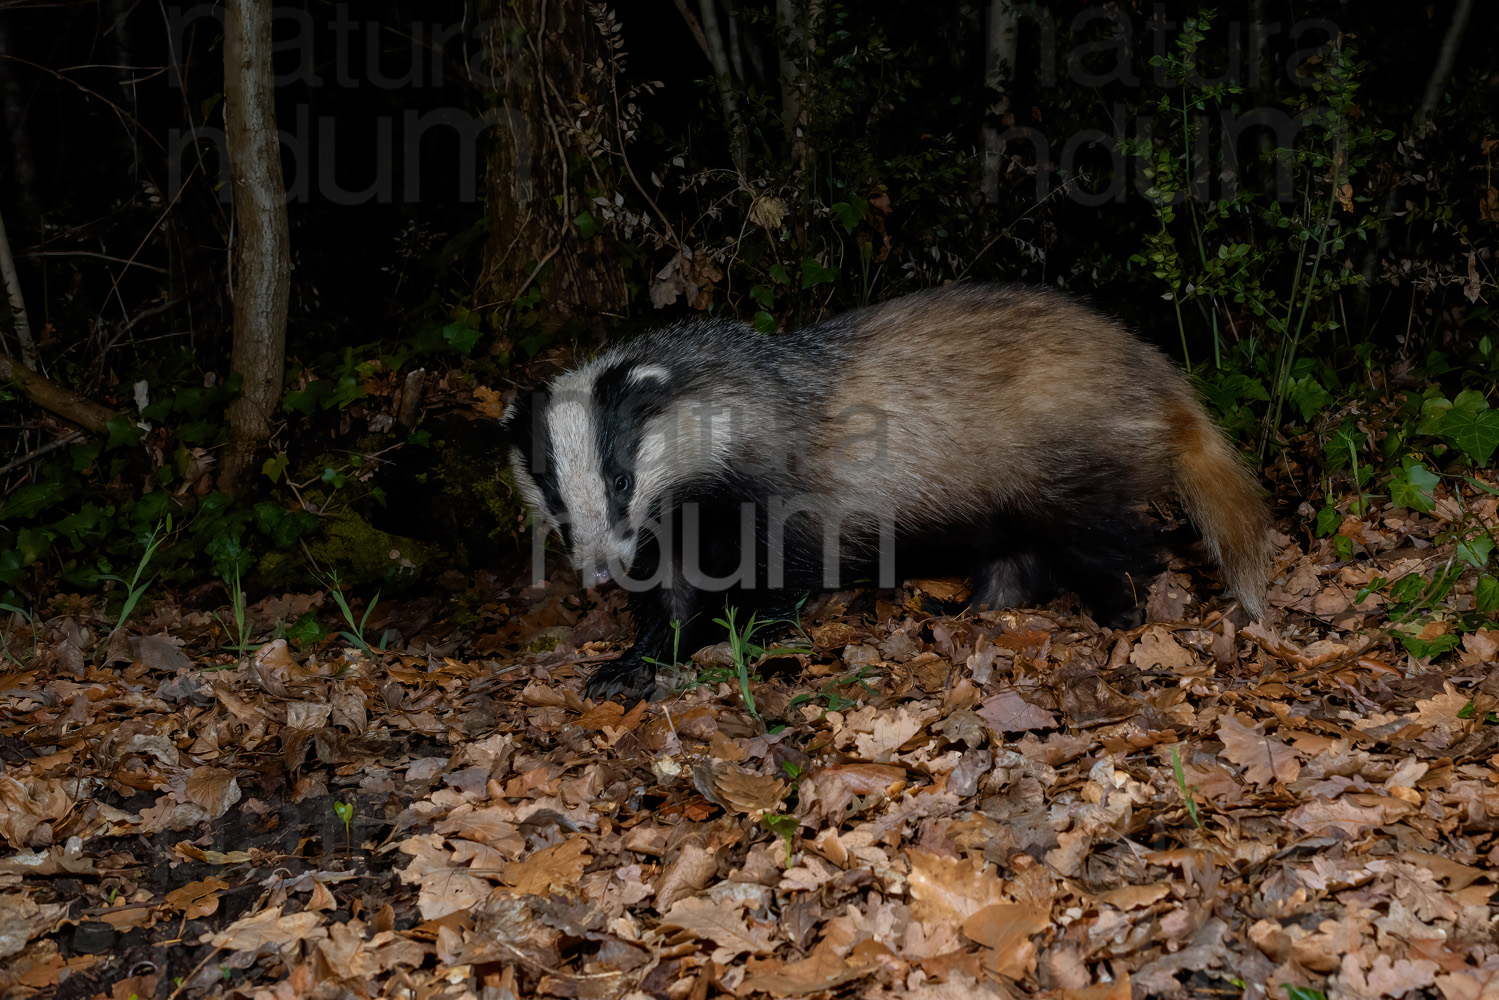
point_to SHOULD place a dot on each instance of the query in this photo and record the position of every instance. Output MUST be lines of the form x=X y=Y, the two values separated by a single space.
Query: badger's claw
x=626 y=680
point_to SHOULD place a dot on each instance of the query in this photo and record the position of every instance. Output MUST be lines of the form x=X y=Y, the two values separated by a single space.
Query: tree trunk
x=540 y=56
x=793 y=63
x=999 y=75
x=20 y=325
x=260 y=261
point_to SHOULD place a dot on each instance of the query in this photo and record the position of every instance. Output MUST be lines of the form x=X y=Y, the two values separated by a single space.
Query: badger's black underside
x=1094 y=538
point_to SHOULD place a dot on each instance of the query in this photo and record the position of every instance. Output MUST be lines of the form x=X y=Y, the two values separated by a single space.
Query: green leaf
x=1344 y=442
x=588 y=226
x=1476 y=551
x=1302 y=992
x=274 y=467
x=1423 y=648
x=307 y=629
x=764 y=322
x=461 y=337
x=308 y=399
x=1412 y=487
x=1486 y=594
x=1309 y=396
x=30 y=500
x=123 y=432
x=813 y=273
x=849 y=213
x=1474 y=432
x=1328 y=520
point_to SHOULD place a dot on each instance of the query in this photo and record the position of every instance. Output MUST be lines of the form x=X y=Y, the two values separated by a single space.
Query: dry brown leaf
x=752 y=794
x=1159 y=650
x=197 y=899
x=1265 y=760
x=1007 y=712
x=212 y=789
x=822 y=970
x=692 y=868
x=723 y=925
x=267 y=928
x=551 y=869
x=950 y=890
x=1007 y=928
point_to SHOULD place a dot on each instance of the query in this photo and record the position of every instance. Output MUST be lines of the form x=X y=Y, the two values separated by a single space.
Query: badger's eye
x=622 y=484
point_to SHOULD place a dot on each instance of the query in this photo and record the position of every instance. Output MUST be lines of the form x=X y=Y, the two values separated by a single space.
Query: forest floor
x=1001 y=805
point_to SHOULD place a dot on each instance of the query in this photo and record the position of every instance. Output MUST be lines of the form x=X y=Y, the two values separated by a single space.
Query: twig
x=91 y=253
x=45 y=449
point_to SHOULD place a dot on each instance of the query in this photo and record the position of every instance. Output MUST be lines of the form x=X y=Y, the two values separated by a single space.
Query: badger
x=1008 y=433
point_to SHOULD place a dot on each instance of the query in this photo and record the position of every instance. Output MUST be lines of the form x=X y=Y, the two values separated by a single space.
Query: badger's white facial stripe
x=647 y=373
x=573 y=419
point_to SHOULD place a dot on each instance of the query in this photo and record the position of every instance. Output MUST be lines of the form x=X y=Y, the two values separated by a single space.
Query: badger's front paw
x=625 y=680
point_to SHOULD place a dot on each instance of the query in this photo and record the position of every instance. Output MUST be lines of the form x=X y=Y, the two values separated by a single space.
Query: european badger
x=1009 y=433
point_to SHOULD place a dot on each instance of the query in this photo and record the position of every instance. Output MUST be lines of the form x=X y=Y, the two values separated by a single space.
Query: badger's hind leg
x=1013 y=580
x=1109 y=563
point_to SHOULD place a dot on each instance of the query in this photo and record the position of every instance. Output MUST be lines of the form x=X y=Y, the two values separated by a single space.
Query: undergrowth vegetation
x=1316 y=250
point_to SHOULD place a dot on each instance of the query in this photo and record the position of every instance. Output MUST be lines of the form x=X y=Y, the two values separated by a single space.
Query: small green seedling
x=355 y=631
x=134 y=587
x=1186 y=790
x=345 y=812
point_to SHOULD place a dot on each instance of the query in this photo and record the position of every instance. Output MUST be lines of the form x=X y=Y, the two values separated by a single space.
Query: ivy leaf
x=461 y=336
x=849 y=214
x=813 y=273
x=1474 y=432
x=1328 y=521
x=274 y=467
x=30 y=500
x=1412 y=487
x=588 y=226
x=1423 y=648
x=1309 y=396
x=1476 y=551
x=1486 y=595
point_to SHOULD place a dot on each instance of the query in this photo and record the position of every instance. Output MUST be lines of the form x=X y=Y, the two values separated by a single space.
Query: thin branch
x=1443 y=68
x=46 y=449
x=695 y=27
x=90 y=253
x=19 y=322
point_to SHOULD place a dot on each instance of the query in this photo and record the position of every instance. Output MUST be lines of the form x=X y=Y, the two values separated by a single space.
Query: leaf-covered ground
x=1002 y=805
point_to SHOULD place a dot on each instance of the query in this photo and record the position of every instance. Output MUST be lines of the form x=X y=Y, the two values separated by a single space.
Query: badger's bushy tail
x=1223 y=498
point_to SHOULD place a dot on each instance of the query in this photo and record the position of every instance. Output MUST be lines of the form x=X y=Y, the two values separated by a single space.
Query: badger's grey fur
x=1009 y=433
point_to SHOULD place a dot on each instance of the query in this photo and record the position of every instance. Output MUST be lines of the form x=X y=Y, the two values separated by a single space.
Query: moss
x=542 y=644
x=359 y=552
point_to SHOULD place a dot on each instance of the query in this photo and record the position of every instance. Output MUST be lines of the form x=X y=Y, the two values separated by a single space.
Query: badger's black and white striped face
x=590 y=454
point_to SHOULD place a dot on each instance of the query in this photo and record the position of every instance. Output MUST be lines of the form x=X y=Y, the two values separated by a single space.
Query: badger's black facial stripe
x=625 y=395
x=533 y=437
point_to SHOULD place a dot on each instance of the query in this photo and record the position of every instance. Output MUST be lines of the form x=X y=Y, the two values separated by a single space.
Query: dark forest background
x=1296 y=199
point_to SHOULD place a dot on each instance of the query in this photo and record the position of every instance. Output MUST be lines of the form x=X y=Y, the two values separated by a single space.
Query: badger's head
x=592 y=454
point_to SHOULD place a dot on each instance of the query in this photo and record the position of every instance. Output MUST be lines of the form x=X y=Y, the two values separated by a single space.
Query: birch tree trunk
x=999 y=75
x=260 y=257
x=793 y=64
